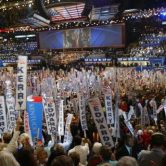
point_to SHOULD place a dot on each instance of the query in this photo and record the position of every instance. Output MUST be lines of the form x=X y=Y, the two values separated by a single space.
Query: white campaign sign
x=50 y=115
x=21 y=83
x=67 y=128
x=10 y=104
x=82 y=112
x=129 y=126
x=99 y=119
x=3 y=122
x=127 y=122
x=61 y=120
x=116 y=132
x=109 y=110
x=11 y=115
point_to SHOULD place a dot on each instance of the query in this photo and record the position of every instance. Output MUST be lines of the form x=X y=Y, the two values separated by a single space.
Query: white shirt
x=128 y=149
x=83 y=151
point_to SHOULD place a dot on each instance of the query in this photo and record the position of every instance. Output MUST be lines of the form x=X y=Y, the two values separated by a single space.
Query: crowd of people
x=10 y=49
x=146 y=13
x=151 y=51
x=149 y=45
x=142 y=102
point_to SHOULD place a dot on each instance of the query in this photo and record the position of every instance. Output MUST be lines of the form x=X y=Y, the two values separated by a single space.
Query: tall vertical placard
x=21 y=83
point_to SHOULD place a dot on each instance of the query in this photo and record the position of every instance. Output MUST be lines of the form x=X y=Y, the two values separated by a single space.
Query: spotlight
x=164 y=13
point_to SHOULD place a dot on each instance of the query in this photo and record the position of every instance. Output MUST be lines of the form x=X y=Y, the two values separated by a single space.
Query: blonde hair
x=23 y=137
x=96 y=147
x=7 y=159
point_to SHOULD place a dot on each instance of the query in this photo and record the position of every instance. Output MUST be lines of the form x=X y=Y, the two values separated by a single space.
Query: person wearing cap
x=155 y=155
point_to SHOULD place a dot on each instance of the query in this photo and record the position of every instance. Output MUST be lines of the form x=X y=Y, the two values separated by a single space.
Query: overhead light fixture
x=105 y=11
x=24 y=36
x=164 y=23
x=41 y=18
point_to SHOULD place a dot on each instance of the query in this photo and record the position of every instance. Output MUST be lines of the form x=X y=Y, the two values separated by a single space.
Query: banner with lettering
x=129 y=126
x=35 y=114
x=109 y=109
x=82 y=112
x=10 y=104
x=127 y=120
x=131 y=113
x=117 y=127
x=61 y=120
x=26 y=126
x=143 y=117
x=3 y=122
x=161 y=107
x=153 y=104
x=68 y=135
x=50 y=115
x=26 y=122
x=99 y=119
x=147 y=119
x=21 y=83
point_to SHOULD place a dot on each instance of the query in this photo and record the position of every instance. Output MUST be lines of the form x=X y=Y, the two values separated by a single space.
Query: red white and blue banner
x=35 y=114
x=21 y=83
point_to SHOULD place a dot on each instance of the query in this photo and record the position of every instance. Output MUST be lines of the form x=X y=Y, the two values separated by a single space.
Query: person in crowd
x=106 y=155
x=76 y=159
x=82 y=150
x=127 y=147
x=95 y=157
x=25 y=158
x=138 y=108
x=62 y=161
x=7 y=159
x=56 y=151
x=10 y=143
x=25 y=142
x=66 y=145
x=163 y=162
x=127 y=161
x=156 y=154
x=42 y=156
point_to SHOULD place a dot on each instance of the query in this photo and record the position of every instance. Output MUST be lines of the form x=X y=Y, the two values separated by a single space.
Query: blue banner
x=35 y=112
x=1 y=63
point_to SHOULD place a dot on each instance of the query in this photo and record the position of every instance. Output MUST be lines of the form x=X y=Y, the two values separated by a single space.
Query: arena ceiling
x=30 y=12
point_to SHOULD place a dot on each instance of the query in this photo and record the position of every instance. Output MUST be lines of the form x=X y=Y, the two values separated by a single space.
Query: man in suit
x=127 y=148
x=153 y=157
